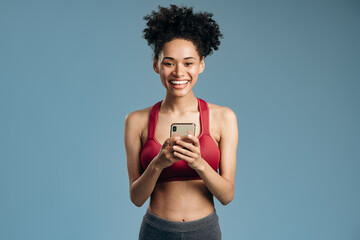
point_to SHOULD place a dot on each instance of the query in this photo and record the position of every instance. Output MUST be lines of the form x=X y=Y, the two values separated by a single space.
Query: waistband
x=180 y=226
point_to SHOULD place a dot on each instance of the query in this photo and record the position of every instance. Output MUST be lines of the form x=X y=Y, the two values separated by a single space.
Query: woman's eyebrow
x=170 y=58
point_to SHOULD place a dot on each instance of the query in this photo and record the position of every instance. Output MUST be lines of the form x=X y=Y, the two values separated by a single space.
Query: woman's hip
x=154 y=227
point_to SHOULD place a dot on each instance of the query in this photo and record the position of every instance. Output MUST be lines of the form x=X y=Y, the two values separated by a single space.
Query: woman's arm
x=220 y=185
x=140 y=188
x=142 y=185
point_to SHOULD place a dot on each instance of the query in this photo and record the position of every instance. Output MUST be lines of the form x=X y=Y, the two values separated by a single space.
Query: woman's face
x=179 y=65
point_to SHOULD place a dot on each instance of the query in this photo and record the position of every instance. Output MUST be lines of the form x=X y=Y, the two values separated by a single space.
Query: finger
x=175 y=158
x=185 y=152
x=183 y=157
x=194 y=139
x=168 y=142
x=171 y=141
x=191 y=139
x=171 y=157
x=175 y=138
x=187 y=145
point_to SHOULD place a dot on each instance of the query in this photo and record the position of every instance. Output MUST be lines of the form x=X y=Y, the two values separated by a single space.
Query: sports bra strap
x=204 y=116
x=153 y=119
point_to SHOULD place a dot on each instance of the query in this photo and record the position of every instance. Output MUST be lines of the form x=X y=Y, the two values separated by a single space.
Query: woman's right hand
x=166 y=156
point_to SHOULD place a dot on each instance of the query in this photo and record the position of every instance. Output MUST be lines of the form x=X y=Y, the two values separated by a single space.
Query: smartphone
x=182 y=128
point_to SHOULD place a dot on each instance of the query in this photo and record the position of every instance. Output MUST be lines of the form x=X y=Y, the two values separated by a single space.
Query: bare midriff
x=181 y=201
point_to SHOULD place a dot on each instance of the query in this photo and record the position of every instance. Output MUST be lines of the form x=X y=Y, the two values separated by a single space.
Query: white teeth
x=179 y=82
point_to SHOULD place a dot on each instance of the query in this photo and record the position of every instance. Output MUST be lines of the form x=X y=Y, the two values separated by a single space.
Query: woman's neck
x=180 y=104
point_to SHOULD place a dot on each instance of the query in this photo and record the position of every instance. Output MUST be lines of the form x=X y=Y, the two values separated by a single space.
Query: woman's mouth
x=179 y=84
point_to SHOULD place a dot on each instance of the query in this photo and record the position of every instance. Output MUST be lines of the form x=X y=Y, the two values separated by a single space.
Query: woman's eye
x=188 y=64
x=168 y=64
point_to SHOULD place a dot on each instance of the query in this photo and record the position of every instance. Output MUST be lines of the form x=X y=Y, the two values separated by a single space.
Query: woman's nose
x=178 y=71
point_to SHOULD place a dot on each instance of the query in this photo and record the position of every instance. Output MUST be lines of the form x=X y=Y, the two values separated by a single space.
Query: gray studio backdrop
x=70 y=71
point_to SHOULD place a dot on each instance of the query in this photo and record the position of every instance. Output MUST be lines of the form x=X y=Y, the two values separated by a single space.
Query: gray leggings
x=154 y=227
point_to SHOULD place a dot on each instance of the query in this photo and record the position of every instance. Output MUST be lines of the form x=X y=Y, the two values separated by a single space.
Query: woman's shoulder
x=138 y=118
x=224 y=121
x=139 y=115
x=221 y=112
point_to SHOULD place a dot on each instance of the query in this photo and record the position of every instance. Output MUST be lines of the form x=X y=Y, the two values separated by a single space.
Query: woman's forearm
x=220 y=187
x=141 y=188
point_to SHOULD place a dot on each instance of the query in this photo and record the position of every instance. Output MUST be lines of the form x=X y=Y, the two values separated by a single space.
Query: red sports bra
x=180 y=170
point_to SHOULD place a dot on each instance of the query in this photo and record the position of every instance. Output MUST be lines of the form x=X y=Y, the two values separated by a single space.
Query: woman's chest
x=163 y=126
x=164 y=122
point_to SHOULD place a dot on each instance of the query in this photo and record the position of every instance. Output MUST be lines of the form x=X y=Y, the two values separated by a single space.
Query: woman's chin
x=179 y=93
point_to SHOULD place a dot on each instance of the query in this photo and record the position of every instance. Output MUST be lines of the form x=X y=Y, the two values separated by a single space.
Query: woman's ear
x=156 y=66
x=202 y=65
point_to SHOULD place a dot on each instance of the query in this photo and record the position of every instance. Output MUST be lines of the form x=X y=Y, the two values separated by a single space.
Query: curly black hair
x=180 y=22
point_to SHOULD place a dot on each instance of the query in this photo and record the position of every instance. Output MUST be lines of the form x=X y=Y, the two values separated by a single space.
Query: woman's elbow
x=228 y=197
x=136 y=201
x=225 y=201
x=138 y=204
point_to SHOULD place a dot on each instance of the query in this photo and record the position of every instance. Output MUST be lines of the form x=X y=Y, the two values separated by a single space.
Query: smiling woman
x=181 y=174
x=179 y=66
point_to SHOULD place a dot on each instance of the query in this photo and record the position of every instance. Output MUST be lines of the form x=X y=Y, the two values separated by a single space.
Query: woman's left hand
x=188 y=149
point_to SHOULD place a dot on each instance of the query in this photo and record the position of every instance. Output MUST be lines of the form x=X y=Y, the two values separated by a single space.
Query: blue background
x=71 y=70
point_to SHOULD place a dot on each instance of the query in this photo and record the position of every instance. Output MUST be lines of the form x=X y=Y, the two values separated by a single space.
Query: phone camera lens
x=174 y=128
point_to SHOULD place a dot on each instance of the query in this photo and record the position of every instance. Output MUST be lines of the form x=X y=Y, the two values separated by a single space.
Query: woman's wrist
x=156 y=164
x=201 y=166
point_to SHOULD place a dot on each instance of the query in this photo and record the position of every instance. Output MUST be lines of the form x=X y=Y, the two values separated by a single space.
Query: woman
x=181 y=174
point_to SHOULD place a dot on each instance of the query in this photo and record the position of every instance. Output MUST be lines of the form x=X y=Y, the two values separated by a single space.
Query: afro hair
x=181 y=22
